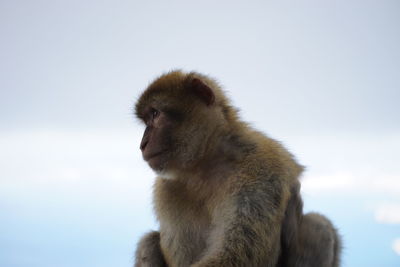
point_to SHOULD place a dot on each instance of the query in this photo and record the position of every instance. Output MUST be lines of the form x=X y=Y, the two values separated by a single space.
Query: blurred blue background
x=320 y=76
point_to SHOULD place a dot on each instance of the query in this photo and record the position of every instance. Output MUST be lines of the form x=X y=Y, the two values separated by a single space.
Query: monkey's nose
x=143 y=144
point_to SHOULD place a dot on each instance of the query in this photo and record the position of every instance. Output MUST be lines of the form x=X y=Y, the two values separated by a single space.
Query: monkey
x=225 y=193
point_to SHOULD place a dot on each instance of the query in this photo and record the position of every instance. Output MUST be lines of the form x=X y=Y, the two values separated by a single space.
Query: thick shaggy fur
x=226 y=195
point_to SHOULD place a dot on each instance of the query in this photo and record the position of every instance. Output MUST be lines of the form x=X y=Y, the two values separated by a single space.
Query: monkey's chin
x=157 y=163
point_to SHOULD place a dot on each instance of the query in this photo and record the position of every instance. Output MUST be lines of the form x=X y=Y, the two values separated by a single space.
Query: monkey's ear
x=203 y=91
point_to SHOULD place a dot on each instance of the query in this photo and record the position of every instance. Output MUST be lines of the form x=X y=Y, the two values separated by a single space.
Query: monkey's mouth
x=153 y=155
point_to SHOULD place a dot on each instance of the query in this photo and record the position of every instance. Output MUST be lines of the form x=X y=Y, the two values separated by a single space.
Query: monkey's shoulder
x=270 y=158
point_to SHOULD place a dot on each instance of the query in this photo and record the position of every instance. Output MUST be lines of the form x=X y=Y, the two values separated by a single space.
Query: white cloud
x=388 y=213
x=59 y=163
x=360 y=183
x=396 y=246
x=328 y=182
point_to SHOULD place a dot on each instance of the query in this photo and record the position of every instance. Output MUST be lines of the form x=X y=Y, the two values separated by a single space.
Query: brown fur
x=226 y=195
x=150 y=254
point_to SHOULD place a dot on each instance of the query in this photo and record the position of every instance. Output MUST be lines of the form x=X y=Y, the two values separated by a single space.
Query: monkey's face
x=157 y=143
x=172 y=139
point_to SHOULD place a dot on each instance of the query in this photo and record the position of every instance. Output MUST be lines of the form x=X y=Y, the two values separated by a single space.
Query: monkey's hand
x=247 y=226
x=148 y=253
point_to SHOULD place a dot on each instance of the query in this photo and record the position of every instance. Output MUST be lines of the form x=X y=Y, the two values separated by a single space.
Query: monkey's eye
x=154 y=113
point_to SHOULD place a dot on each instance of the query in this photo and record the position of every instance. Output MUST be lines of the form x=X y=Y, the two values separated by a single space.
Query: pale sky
x=320 y=76
x=298 y=66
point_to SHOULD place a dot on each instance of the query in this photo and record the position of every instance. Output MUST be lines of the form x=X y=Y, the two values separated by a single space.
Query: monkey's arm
x=247 y=231
x=148 y=252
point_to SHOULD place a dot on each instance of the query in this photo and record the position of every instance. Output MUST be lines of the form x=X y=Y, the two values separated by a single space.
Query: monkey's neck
x=225 y=149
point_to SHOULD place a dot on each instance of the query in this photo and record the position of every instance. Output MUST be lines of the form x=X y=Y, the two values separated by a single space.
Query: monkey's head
x=183 y=114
